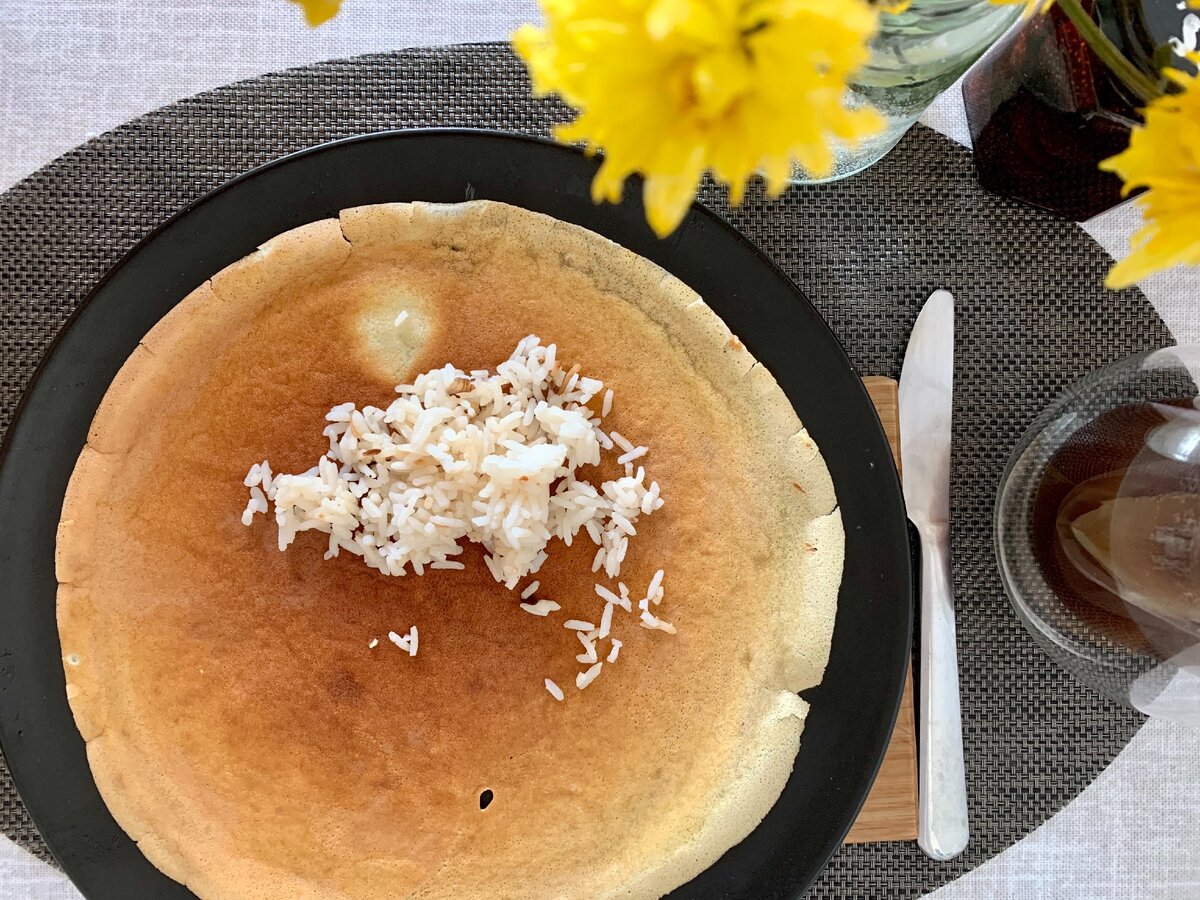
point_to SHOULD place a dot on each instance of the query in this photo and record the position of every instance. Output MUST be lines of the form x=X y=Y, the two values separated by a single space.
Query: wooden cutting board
x=890 y=813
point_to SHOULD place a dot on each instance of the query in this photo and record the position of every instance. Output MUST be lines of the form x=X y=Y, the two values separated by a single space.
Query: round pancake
x=237 y=724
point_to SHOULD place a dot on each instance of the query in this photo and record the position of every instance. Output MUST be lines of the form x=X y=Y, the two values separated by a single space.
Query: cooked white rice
x=635 y=453
x=655 y=591
x=588 y=655
x=542 y=607
x=406 y=642
x=609 y=597
x=620 y=441
x=583 y=679
x=606 y=620
x=649 y=620
x=591 y=637
x=492 y=458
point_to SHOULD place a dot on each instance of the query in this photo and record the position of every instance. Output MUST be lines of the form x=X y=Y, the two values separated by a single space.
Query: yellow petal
x=608 y=184
x=1131 y=270
x=718 y=79
x=317 y=12
x=737 y=190
x=1164 y=156
x=670 y=88
x=692 y=19
x=1032 y=7
x=1153 y=250
x=778 y=172
x=667 y=198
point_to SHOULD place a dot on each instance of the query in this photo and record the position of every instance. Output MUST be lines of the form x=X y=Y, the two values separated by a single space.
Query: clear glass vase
x=917 y=55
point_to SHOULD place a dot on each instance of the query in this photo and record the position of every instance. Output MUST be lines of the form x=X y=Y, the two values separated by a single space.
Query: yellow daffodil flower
x=673 y=88
x=317 y=12
x=1163 y=156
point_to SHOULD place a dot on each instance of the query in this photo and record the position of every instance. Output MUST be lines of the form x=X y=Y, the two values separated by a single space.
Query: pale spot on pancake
x=386 y=349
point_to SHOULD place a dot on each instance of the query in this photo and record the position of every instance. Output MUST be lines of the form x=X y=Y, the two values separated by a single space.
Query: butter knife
x=926 y=397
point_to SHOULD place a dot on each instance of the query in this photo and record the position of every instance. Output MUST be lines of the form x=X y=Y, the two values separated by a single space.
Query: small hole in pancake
x=485 y=799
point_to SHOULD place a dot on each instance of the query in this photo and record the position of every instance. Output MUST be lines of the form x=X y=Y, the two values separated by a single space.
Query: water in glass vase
x=916 y=55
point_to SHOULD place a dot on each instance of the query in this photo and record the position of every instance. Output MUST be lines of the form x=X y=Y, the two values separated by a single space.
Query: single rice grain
x=583 y=679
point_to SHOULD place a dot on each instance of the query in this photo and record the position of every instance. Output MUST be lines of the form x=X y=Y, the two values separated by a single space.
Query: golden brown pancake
x=237 y=724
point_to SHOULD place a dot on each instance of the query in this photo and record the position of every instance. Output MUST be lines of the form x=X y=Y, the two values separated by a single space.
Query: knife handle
x=943 y=828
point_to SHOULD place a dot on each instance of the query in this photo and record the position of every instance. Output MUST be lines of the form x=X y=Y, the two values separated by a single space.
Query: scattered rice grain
x=541 y=608
x=606 y=620
x=628 y=458
x=583 y=679
x=620 y=441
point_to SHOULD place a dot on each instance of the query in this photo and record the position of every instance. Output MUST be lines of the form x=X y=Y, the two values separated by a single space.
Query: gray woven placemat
x=1032 y=316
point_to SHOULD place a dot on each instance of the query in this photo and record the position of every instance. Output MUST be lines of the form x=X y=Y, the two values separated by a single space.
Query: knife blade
x=926 y=402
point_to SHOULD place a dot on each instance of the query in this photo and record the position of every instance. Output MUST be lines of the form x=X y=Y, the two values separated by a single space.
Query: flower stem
x=1133 y=77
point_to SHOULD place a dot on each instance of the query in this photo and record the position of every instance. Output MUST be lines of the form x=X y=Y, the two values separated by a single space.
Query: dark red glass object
x=1044 y=110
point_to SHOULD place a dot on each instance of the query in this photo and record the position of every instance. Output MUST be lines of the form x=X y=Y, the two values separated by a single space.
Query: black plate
x=852 y=710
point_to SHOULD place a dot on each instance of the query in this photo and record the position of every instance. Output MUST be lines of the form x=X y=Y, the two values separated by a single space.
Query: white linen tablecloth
x=75 y=68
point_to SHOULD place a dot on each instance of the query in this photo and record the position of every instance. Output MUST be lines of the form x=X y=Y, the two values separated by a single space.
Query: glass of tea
x=1097 y=529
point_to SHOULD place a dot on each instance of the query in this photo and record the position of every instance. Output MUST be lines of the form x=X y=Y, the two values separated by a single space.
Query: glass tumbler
x=1098 y=532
